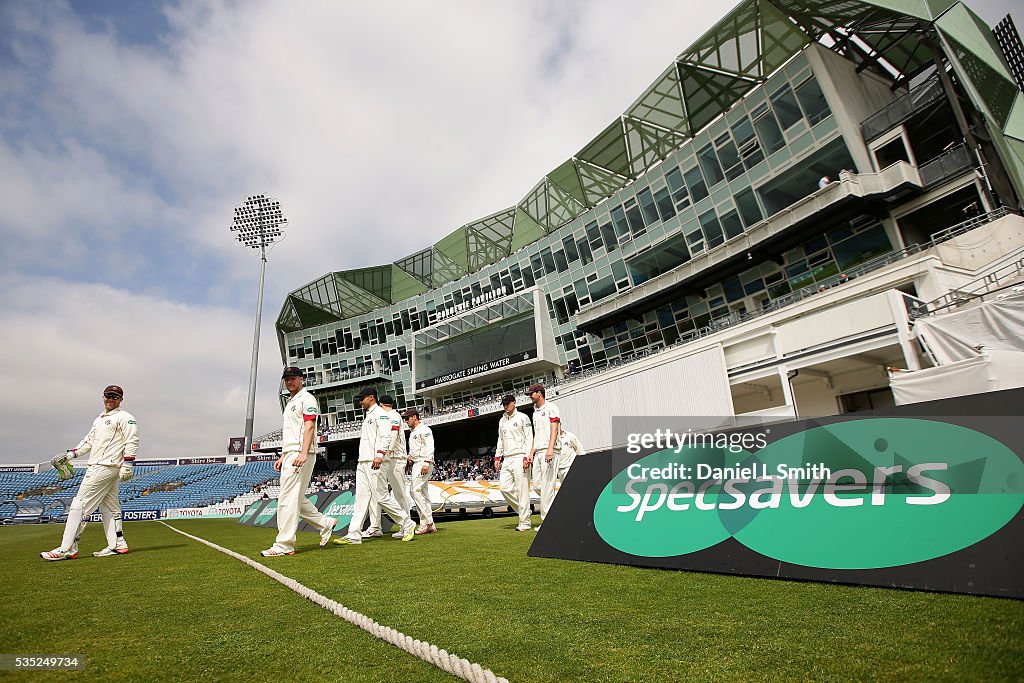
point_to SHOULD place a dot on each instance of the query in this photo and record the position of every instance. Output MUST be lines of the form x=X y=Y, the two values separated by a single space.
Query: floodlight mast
x=259 y=222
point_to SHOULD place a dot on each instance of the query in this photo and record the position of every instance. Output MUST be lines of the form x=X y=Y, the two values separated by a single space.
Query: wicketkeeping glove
x=126 y=472
x=62 y=463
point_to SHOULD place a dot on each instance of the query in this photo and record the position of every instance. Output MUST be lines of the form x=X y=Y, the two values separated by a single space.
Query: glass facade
x=663 y=186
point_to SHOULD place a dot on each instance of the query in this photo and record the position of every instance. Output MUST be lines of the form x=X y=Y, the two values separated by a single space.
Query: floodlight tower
x=259 y=222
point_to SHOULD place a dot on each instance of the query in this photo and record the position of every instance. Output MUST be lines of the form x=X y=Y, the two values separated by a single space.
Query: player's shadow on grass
x=151 y=548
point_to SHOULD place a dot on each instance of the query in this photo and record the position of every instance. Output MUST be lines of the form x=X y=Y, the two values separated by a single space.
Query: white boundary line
x=442 y=659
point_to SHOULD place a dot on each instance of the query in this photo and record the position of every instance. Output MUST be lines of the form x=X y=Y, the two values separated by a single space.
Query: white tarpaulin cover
x=992 y=371
x=994 y=325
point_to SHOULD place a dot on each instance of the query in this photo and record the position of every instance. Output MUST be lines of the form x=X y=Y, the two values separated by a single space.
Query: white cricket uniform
x=571 y=447
x=545 y=420
x=393 y=474
x=292 y=503
x=112 y=440
x=515 y=440
x=375 y=440
x=421 y=452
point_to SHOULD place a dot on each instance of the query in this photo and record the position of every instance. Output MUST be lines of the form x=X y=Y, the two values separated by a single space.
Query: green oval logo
x=642 y=510
x=890 y=492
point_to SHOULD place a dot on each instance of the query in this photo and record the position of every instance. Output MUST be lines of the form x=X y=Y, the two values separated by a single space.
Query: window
x=695 y=181
x=594 y=235
x=731 y=224
x=664 y=204
x=712 y=228
x=621 y=226
x=709 y=164
x=750 y=210
x=634 y=219
x=611 y=242
x=560 y=263
x=729 y=157
x=812 y=101
x=570 y=249
x=768 y=129
x=586 y=256
x=548 y=260
x=647 y=207
x=786 y=107
x=748 y=144
x=677 y=188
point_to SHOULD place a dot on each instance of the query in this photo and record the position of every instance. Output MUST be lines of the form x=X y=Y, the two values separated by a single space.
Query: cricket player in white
x=511 y=459
x=296 y=467
x=111 y=444
x=421 y=458
x=396 y=457
x=546 y=445
x=375 y=441
x=393 y=474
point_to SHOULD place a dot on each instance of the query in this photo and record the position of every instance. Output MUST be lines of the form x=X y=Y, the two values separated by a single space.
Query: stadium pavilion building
x=690 y=259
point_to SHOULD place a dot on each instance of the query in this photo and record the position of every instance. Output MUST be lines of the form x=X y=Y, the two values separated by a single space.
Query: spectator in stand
x=824 y=182
x=513 y=462
x=296 y=467
x=421 y=457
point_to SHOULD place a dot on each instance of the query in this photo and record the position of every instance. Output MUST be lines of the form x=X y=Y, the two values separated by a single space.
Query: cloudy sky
x=129 y=130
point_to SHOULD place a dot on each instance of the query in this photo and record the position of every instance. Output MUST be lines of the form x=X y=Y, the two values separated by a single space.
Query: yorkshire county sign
x=927 y=496
x=507 y=361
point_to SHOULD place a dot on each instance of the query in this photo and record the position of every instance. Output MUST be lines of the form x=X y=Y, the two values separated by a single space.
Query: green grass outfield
x=174 y=609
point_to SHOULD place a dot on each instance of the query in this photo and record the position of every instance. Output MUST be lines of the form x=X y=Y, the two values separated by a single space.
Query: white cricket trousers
x=393 y=473
x=368 y=491
x=98 y=488
x=515 y=487
x=549 y=473
x=421 y=492
x=292 y=502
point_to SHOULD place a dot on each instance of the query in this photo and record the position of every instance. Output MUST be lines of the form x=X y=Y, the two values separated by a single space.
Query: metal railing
x=901 y=109
x=724 y=322
x=991 y=283
x=948 y=164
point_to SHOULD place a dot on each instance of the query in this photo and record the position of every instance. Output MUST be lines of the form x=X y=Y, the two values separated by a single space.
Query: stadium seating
x=31 y=497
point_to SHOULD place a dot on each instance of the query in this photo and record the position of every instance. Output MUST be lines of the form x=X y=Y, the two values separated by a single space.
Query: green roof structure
x=893 y=38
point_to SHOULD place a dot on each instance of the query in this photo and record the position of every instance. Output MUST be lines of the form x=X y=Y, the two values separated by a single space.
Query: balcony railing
x=901 y=109
x=947 y=165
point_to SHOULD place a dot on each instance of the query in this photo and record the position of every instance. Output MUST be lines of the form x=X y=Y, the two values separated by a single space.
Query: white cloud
x=185 y=369
x=380 y=126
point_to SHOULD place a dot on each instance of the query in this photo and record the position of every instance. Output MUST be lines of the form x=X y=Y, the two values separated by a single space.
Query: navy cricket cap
x=508 y=399
x=366 y=391
x=386 y=399
x=292 y=371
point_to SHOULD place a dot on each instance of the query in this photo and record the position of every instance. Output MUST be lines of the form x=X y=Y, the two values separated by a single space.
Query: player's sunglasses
x=110 y=395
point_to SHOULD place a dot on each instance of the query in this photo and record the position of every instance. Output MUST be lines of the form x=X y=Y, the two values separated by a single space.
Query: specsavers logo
x=852 y=495
x=341 y=509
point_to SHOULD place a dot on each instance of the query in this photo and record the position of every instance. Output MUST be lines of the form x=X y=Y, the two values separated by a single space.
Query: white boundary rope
x=442 y=659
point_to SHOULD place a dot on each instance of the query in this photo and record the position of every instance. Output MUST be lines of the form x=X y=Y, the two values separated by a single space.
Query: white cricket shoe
x=111 y=552
x=58 y=554
x=327 y=532
x=372 y=533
